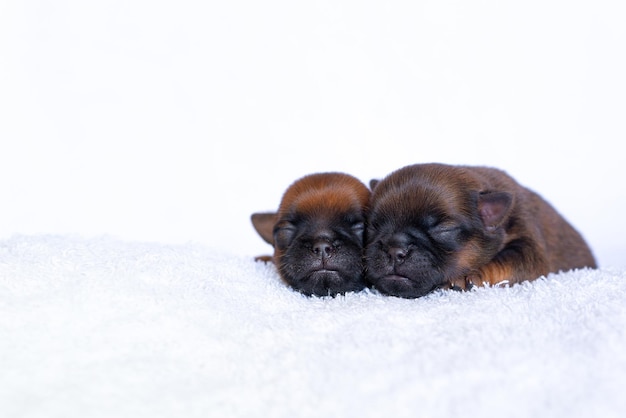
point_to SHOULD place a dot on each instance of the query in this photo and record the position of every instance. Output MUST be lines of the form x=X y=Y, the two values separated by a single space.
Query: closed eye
x=357 y=229
x=445 y=230
x=284 y=232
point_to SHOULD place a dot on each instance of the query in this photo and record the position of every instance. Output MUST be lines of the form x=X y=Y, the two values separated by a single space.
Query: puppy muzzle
x=326 y=282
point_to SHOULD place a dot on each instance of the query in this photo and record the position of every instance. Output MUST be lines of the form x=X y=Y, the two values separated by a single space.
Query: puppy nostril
x=398 y=254
x=322 y=248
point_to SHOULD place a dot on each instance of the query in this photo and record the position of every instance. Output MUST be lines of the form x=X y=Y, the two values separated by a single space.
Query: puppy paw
x=458 y=284
x=264 y=258
x=466 y=282
x=474 y=279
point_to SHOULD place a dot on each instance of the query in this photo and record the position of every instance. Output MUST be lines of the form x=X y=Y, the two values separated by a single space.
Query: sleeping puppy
x=436 y=226
x=317 y=234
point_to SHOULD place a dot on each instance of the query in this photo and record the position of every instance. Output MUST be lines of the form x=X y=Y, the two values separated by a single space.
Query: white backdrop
x=173 y=121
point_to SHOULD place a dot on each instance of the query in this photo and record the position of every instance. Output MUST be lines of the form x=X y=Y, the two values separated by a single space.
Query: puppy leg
x=519 y=260
x=514 y=264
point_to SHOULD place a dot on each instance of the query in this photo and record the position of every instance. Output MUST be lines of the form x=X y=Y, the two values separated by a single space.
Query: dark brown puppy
x=438 y=226
x=317 y=234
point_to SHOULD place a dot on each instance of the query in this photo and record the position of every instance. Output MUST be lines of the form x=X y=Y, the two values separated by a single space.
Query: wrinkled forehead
x=327 y=202
x=409 y=200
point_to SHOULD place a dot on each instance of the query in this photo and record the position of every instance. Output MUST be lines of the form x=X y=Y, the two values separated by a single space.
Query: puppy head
x=318 y=232
x=430 y=225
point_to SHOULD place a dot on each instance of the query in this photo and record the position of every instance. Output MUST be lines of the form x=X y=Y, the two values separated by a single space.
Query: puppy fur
x=318 y=234
x=438 y=226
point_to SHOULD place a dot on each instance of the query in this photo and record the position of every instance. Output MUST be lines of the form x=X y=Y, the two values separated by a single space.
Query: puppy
x=317 y=234
x=436 y=226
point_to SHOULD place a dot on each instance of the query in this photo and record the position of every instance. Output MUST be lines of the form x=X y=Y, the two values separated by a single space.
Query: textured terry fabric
x=102 y=328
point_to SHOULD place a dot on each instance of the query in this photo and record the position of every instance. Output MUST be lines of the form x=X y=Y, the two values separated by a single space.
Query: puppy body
x=317 y=234
x=439 y=226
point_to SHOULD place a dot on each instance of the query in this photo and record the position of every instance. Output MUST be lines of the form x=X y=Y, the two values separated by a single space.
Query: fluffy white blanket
x=105 y=328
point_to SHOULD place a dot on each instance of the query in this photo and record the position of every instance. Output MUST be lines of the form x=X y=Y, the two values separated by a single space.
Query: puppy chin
x=404 y=287
x=325 y=282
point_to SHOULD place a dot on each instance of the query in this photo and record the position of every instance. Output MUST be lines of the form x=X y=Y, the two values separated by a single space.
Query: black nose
x=322 y=248
x=398 y=255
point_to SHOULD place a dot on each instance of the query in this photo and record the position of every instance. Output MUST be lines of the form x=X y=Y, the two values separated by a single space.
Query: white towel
x=106 y=328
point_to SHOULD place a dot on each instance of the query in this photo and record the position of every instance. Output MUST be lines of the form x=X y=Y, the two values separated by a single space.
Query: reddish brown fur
x=550 y=243
x=323 y=195
x=532 y=238
x=317 y=233
x=330 y=193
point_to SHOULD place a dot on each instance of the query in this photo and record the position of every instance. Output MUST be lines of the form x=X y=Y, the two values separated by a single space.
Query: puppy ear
x=494 y=207
x=264 y=225
x=373 y=183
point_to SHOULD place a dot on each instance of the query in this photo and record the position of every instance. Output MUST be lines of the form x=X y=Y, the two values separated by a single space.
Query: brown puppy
x=436 y=226
x=317 y=234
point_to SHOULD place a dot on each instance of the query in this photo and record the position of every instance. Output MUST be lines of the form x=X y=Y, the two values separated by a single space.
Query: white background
x=173 y=121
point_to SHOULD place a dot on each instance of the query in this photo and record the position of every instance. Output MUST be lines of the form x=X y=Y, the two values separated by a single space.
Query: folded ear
x=373 y=183
x=264 y=225
x=494 y=207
